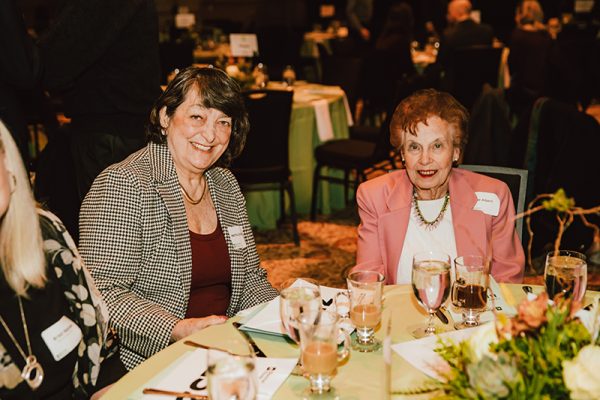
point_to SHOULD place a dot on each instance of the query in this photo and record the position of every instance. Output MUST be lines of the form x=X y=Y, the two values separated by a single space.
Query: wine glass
x=299 y=297
x=431 y=285
x=365 y=289
x=565 y=274
x=231 y=375
x=469 y=290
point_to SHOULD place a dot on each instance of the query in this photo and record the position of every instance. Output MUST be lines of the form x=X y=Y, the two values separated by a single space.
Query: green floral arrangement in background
x=544 y=352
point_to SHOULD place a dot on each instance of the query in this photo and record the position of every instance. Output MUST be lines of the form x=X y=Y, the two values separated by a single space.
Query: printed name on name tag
x=488 y=203
x=62 y=337
x=237 y=237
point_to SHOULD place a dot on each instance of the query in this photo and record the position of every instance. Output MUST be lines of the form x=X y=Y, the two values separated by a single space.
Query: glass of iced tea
x=470 y=287
x=320 y=353
x=565 y=274
x=365 y=289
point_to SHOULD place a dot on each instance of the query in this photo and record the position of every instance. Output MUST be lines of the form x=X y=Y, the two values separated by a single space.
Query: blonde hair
x=21 y=247
x=530 y=12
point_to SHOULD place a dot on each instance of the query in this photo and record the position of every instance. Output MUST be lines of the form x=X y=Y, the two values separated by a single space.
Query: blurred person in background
x=165 y=232
x=101 y=58
x=45 y=289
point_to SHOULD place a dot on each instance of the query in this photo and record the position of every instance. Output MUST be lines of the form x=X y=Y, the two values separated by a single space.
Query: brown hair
x=422 y=105
x=216 y=90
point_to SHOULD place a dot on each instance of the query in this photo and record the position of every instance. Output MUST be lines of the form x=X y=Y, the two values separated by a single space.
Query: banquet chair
x=264 y=163
x=350 y=155
x=470 y=68
x=515 y=179
x=344 y=72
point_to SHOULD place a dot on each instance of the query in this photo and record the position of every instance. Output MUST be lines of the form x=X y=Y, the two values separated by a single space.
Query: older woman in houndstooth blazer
x=165 y=232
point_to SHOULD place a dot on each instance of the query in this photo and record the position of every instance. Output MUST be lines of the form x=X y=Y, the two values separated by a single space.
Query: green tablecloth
x=360 y=377
x=263 y=206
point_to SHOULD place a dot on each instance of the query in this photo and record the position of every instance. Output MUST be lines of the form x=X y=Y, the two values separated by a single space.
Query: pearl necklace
x=32 y=372
x=430 y=225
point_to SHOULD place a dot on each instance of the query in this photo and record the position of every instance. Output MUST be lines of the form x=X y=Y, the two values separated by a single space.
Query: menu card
x=188 y=374
x=243 y=44
x=420 y=352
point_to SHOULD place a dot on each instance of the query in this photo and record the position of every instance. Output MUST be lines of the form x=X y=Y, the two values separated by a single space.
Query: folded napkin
x=268 y=319
x=348 y=111
x=188 y=374
x=324 y=125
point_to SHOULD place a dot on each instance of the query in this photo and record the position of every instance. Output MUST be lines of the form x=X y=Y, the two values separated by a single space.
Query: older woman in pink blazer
x=430 y=205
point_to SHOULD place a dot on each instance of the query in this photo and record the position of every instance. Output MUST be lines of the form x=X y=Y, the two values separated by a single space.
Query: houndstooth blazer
x=134 y=238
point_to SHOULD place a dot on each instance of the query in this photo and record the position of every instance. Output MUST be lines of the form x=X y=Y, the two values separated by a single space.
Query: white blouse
x=420 y=238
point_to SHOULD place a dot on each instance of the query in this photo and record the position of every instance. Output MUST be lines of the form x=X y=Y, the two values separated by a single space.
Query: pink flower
x=533 y=313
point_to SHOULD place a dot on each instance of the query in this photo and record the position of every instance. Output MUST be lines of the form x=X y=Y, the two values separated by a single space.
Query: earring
x=13 y=183
x=163 y=131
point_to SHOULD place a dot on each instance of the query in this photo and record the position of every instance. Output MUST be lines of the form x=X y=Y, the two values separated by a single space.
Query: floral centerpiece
x=544 y=352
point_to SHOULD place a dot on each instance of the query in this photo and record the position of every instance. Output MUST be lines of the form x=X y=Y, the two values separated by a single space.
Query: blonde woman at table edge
x=165 y=232
x=44 y=287
x=431 y=205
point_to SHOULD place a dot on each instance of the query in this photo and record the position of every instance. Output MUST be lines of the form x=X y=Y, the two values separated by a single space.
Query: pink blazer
x=384 y=205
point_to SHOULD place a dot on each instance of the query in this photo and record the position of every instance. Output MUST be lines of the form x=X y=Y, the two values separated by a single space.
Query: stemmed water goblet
x=431 y=285
x=299 y=298
x=231 y=374
x=470 y=287
x=365 y=289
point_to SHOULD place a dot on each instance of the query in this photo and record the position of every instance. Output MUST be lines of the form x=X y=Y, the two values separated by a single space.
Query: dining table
x=360 y=376
x=319 y=113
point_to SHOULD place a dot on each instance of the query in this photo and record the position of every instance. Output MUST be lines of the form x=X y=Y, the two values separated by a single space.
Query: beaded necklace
x=430 y=225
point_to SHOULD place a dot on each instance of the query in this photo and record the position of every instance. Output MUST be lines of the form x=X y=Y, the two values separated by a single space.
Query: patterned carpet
x=327 y=249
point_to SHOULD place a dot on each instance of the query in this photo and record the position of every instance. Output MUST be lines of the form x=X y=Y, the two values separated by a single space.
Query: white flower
x=480 y=341
x=80 y=291
x=88 y=313
x=582 y=374
x=51 y=244
x=67 y=257
x=58 y=271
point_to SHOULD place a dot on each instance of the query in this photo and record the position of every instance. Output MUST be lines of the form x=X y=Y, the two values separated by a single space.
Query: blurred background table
x=263 y=206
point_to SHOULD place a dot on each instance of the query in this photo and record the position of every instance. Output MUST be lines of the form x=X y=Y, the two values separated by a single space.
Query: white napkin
x=501 y=305
x=420 y=352
x=188 y=375
x=268 y=319
x=348 y=111
x=324 y=125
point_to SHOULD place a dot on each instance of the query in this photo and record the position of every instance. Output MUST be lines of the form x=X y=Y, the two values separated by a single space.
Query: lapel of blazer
x=167 y=185
x=470 y=226
x=393 y=224
x=227 y=208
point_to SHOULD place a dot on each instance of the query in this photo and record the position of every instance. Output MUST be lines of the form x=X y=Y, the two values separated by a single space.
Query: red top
x=210 y=290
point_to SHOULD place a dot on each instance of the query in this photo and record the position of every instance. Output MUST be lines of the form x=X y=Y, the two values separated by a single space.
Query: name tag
x=237 y=237
x=488 y=203
x=62 y=337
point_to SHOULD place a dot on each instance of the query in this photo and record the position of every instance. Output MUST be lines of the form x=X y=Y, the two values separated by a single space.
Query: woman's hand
x=187 y=326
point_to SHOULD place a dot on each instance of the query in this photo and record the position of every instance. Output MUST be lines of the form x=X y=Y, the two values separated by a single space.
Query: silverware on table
x=442 y=317
x=257 y=351
x=266 y=374
x=184 y=395
x=205 y=347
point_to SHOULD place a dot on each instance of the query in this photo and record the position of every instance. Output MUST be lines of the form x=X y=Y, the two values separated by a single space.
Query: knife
x=257 y=351
x=440 y=314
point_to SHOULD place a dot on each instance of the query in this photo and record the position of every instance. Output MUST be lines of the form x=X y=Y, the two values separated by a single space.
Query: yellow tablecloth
x=360 y=377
